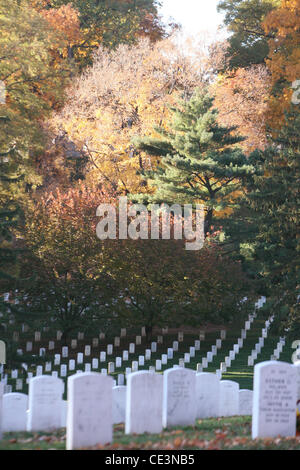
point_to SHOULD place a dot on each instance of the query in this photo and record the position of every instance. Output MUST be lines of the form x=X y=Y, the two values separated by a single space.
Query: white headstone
x=14 y=412
x=59 y=335
x=118 y=362
x=57 y=359
x=37 y=336
x=119 y=404
x=179 y=404
x=229 y=398
x=164 y=359
x=138 y=340
x=65 y=351
x=1 y=407
x=147 y=354
x=64 y=409
x=204 y=362
x=207 y=395
x=160 y=339
x=187 y=358
x=89 y=420
x=44 y=403
x=144 y=403
x=245 y=402
x=121 y=379
x=170 y=353
x=202 y=335
x=102 y=356
x=141 y=360
x=210 y=356
x=274 y=400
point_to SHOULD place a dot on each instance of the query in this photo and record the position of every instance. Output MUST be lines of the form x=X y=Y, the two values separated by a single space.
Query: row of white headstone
x=238 y=346
x=151 y=402
x=113 y=365
x=95 y=341
x=117 y=363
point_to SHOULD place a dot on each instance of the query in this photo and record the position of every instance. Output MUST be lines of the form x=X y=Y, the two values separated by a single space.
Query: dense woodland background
x=101 y=101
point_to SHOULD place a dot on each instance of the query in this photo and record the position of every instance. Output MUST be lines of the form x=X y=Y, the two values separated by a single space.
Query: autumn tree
x=283 y=61
x=108 y=23
x=66 y=24
x=72 y=290
x=242 y=96
x=32 y=85
x=163 y=284
x=125 y=93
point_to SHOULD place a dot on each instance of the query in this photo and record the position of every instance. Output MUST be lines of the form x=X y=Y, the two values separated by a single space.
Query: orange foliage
x=241 y=99
x=284 y=58
x=66 y=21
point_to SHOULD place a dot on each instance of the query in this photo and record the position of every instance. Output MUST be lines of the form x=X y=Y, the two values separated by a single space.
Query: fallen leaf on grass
x=177 y=442
x=178 y=431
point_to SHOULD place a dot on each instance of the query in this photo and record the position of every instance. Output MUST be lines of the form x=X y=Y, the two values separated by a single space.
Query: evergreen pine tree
x=200 y=161
x=266 y=227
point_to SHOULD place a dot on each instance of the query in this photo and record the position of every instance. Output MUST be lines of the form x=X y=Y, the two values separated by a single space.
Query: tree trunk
x=208 y=221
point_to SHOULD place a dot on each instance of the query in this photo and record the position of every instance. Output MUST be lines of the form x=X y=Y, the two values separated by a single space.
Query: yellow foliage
x=284 y=57
x=124 y=95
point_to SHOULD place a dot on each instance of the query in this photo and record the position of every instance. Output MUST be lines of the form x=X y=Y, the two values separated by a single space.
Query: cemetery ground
x=230 y=433
x=210 y=434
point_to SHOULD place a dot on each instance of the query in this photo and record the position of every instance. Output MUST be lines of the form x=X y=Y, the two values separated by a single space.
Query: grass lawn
x=210 y=434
